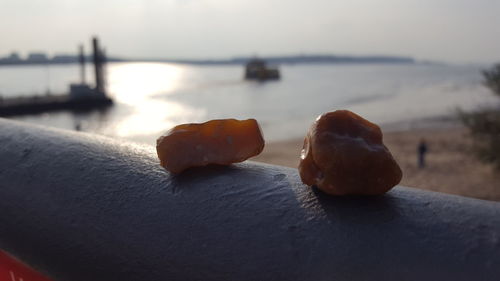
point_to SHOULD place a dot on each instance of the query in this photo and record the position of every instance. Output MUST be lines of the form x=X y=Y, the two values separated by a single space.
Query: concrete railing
x=81 y=207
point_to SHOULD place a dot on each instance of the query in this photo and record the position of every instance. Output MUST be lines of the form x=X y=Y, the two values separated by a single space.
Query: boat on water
x=257 y=69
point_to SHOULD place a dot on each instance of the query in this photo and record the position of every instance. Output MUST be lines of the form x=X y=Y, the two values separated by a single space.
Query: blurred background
x=415 y=67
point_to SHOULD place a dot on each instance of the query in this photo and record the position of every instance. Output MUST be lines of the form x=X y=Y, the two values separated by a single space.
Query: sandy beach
x=451 y=167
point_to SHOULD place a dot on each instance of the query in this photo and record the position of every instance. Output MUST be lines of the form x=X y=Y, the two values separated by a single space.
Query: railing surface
x=81 y=207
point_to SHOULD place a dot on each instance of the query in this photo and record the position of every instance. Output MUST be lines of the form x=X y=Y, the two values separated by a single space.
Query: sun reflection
x=137 y=82
x=140 y=85
x=155 y=117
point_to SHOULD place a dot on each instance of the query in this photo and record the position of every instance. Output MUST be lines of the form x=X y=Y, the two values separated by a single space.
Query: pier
x=81 y=96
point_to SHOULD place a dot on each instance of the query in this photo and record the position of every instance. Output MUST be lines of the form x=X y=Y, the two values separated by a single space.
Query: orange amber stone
x=220 y=142
x=343 y=154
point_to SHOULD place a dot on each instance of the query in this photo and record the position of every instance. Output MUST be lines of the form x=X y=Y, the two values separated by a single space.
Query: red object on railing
x=13 y=270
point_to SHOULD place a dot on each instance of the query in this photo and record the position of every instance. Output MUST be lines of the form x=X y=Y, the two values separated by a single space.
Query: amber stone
x=343 y=154
x=222 y=142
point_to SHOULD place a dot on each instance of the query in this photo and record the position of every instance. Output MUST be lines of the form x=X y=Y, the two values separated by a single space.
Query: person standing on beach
x=422 y=150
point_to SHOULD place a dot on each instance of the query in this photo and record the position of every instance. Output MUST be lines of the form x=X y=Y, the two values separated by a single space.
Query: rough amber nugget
x=221 y=142
x=343 y=154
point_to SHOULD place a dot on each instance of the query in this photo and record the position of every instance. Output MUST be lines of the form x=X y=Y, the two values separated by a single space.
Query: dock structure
x=81 y=96
x=40 y=104
x=81 y=60
x=99 y=60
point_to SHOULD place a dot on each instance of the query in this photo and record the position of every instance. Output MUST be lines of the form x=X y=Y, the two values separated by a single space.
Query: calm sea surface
x=152 y=97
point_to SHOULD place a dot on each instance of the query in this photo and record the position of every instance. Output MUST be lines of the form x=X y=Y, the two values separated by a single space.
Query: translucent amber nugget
x=221 y=142
x=343 y=154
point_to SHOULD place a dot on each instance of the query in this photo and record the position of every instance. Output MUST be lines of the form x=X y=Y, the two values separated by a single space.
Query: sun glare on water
x=143 y=86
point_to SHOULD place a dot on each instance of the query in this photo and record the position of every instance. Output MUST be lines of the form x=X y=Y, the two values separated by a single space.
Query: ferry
x=256 y=69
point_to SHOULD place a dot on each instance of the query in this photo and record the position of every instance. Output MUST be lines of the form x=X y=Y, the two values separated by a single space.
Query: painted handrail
x=75 y=206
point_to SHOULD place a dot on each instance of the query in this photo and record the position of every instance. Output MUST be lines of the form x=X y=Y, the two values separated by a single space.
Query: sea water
x=152 y=97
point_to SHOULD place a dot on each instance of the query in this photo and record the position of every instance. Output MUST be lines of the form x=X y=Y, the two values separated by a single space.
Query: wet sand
x=451 y=166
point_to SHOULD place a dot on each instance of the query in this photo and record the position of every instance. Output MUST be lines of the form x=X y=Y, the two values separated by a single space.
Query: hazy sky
x=446 y=30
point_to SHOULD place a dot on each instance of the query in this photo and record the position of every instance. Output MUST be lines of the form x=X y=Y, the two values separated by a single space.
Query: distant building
x=64 y=59
x=13 y=57
x=37 y=58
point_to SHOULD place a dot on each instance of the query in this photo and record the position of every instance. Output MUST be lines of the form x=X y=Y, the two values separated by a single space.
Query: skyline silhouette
x=450 y=31
x=43 y=58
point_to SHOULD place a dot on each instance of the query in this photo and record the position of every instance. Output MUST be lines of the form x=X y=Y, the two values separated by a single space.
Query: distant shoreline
x=301 y=59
